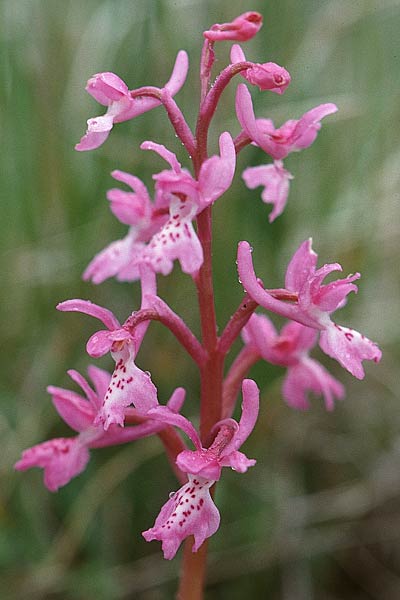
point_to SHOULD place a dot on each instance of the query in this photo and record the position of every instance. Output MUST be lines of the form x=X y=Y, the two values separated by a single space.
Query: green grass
x=319 y=515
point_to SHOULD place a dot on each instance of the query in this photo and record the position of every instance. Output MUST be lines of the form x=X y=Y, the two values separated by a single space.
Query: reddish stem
x=208 y=107
x=236 y=323
x=174 y=113
x=193 y=571
x=206 y=63
x=175 y=324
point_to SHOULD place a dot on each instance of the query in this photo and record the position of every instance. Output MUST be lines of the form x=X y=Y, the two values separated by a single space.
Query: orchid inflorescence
x=176 y=225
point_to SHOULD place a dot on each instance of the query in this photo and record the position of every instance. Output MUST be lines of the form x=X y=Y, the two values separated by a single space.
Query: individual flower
x=144 y=218
x=108 y=89
x=129 y=384
x=241 y=29
x=290 y=349
x=266 y=76
x=169 y=237
x=65 y=458
x=290 y=137
x=275 y=180
x=314 y=305
x=191 y=510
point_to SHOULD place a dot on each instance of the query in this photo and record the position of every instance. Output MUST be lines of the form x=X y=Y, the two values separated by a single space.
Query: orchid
x=65 y=458
x=109 y=90
x=191 y=510
x=315 y=303
x=292 y=136
x=176 y=225
x=168 y=238
x=290 y=349
x=129 y=384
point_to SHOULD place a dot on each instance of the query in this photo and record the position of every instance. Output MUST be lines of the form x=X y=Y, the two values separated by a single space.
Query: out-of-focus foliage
x=319 y=516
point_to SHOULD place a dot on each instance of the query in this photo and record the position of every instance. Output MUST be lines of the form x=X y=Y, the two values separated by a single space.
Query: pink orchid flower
x=65 y=458
x=267 y=76
x=108 y=89
x=169 y=237
x=275 y=180
x=129 y=384
x=241 y=29
x=191 y=510
x=315 y=304
x=144 y=218
x=290 y=137
x=290 y=349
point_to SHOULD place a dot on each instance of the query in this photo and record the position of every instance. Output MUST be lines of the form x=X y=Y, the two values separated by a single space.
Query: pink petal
x=179 y=73
x=217 y=172
x=248 y=419
x=129 y=385
x=268 y=76
x=332 y=296
x=99 y=344
x=238 y=461
x=349 y=348
x=106 y=88
x=309 y=375
x=199 y=462
x=116 y=260
x=190 y=511
x=308 y=125
x=176 y=240
x=245 y=112
x=241 y=29
x=162 y=151
x=275 y=180
x=89 y=308
x=101 y=380
x=130 y=208
x=61 y=458
x=72 y=408
x=301 y=266
x=97 y=132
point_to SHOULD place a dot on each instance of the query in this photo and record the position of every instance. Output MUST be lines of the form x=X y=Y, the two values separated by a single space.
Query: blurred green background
x=319 y=516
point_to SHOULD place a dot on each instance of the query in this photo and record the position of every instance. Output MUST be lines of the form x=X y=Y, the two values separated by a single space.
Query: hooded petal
x=189 y=511
x=106 y=88
x=301 y=267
